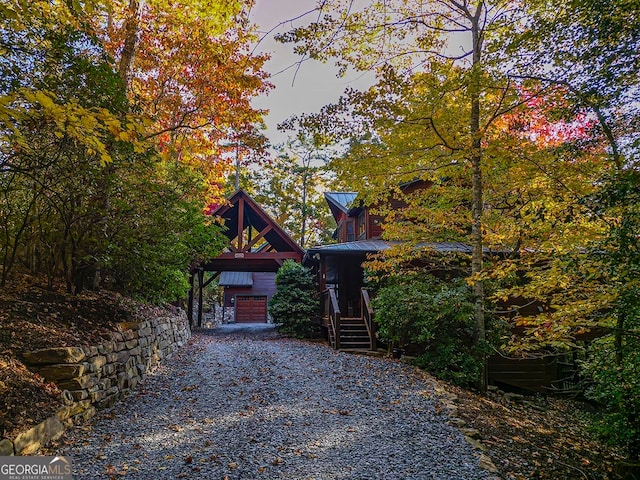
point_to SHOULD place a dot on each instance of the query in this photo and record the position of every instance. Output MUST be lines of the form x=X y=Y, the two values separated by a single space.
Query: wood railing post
x=367 y=316
x=334 y=316
x=374 y=338
x=190 y=301
x=337 y=329
x=200 y=289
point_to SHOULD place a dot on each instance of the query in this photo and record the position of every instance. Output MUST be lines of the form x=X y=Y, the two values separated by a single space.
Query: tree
x=190 y=70
x=216 y=16
x=588 y=50
x=398 y=38
x=435 y=317
x=81 y=190
x=294 y=306
x=290 y=188
x=156 y=230
x=61 y=122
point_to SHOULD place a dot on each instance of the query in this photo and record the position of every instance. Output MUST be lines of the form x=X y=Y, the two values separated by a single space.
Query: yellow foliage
x=95 y=128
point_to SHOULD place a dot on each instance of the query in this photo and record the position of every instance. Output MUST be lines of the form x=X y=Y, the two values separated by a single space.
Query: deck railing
x=332 y=311
x=367 y=315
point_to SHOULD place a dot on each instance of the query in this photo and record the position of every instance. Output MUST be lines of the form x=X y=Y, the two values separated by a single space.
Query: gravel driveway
x=239 y=402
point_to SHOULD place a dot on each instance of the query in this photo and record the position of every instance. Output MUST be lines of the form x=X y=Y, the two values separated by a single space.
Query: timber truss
x=256 y=244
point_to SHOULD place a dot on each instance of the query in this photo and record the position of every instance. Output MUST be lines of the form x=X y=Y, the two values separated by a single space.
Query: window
x=351 y=236
x=362 y=225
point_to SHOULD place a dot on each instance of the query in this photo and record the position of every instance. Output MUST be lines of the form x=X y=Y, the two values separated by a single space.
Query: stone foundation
x=96 y=377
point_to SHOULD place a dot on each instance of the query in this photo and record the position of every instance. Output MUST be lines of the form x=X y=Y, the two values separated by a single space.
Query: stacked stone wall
x=95 y=377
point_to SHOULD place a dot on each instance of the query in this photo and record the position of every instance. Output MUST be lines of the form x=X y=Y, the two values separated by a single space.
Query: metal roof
x=236 y=279
x=352 y=247
x=342 y=200
x=367 y=246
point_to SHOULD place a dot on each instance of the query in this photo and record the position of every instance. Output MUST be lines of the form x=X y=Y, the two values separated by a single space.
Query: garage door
x=251 y=309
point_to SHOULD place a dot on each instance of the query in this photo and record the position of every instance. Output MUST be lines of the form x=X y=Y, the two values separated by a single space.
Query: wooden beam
x=258 y=237
x=240 y=224
x=246 y=256
x=190 y=301
x=211 y=279
x=200 y=288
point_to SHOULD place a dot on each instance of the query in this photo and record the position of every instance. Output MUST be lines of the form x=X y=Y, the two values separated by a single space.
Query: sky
x=313 y=85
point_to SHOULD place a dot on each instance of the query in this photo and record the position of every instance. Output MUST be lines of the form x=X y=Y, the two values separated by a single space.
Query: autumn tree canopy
x=398 y=39
x=115 y=117
x=520 y=115
x=189 y=69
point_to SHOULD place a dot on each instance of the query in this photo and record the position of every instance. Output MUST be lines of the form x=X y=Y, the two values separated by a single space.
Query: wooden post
x=241 y=224
x=337 y=330
x=200 y=288
x=190 y=301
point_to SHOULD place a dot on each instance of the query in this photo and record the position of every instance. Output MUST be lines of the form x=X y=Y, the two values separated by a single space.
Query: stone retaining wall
x=96 y=377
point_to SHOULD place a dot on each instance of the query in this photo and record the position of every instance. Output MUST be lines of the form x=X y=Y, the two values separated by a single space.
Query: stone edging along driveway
x=237 y=403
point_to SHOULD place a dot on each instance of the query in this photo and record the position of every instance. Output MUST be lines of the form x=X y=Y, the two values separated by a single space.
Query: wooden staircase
x=353 y=333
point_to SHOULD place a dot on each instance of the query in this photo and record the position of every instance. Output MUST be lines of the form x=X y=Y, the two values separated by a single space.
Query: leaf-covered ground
x=32 y=317
x=543 y=438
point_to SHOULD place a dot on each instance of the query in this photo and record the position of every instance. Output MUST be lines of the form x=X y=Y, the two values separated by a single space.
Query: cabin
x=257 y=247
x=346 y=313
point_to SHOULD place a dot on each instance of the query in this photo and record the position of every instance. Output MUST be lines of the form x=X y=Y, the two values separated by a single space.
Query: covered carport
x=256 y=244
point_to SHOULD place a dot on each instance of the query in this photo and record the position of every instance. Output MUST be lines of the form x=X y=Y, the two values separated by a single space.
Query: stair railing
x=332 y=310
x=367 y=316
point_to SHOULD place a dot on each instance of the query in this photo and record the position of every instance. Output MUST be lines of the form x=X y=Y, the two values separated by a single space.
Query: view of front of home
x=326 y=239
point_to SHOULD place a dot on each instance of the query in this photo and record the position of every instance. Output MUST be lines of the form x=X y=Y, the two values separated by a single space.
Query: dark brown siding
x=231 y=292
x=264 y=283
x=342 y=227
x=375 y=226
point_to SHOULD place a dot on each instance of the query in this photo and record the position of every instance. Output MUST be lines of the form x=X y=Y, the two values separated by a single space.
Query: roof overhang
x=365 y=247
x=249 y=262
x=235 y=279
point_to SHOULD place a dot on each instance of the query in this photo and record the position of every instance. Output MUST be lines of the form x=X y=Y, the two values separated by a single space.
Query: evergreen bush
x=294 y=304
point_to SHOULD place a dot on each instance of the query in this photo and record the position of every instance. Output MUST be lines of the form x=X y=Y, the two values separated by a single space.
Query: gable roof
x=254 y=216
x=256 y=242
x=346 y=202
x=340 y=202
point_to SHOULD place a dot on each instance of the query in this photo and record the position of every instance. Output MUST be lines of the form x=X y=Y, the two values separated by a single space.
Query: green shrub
x=614 y=383
x=294 y=304
x=436 y=317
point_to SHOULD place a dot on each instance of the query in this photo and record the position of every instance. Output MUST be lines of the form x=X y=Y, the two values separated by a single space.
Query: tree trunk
x=130 y=40
x=477 y=201
x=303 y=232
